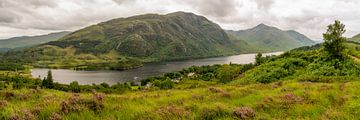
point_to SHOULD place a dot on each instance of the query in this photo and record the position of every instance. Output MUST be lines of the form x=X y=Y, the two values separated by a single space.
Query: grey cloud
x=122 y=2
x=28 y=3
x=7 y=17
x=216 y=8
x=39 y=3
x=264 y=4
x=52 y=15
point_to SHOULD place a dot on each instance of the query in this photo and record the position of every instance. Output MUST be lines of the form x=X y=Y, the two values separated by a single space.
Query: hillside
x=299 y=84
x=171 y=36
x=126 y=43
x=269 y=38
x=356 y=38
x=28 y=41
x=310 y=82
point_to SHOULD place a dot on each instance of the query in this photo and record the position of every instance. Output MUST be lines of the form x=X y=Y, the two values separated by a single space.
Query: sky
x=310 y=17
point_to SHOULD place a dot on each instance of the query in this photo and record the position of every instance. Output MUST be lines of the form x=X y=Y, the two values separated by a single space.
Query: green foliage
x=166 y=84
x=8 y=66
x=334 y=41
x=258 y=59
x=48 y=82
x=274 y=71
x=227 y=73
x=28 y=41
x=268 y=38
x=355 y=38
x=74 y=87
x=334 y=67
x=137 y=39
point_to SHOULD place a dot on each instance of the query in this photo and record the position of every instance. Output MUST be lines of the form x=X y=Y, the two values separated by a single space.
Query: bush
x=213 y=113
x=274 y=71
x=166 y=84
x=74 y=87
x=11 y=66
x=244 y=112
x=77 y=104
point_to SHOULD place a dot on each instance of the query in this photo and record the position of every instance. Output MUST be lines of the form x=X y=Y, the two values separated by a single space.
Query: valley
x=128 y=43
x=176 y=65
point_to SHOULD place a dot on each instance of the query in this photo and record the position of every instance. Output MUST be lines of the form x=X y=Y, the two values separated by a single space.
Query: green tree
x=48 y=82
x=334 y=40
x=258 y=59
x=74 y=87
x=226 y=73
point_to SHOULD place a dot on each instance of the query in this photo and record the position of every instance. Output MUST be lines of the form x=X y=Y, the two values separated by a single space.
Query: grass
x=293 y=89
x=288 y=99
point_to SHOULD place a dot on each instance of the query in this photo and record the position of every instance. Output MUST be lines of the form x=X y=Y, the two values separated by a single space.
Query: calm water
x=151 y=69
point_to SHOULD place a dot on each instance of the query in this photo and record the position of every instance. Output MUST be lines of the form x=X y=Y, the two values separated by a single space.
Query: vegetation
x=304 y=83
x=355 y=38
x=28 y=41
x=267 y=38
x=127 y=43
x=334 y=41
x=48 y=82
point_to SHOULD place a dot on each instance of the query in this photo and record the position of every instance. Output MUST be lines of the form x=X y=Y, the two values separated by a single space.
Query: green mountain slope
x=27 y=41
x=175 y=35
x=143 y=38
x=356 y=38
x=269 y=38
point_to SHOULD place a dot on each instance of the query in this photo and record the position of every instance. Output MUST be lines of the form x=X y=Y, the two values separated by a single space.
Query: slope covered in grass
x=267 y=38
x=28 y=41
x=135 y=40
x=290 y=99
x=300 y=84
x=355 y=38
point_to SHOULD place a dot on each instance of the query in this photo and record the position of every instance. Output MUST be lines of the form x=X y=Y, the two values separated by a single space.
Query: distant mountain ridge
x=126 y=43
x=270 y=38
x=27 y=41
x=355 y=38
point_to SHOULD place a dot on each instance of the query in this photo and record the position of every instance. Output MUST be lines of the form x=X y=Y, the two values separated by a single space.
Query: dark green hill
x=27 y=41
x=269 y=38
x=126 y=42
x=160 y=37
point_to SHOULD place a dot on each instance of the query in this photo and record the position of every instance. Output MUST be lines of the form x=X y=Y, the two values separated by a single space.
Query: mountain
x=269 y=38
x=175 y=35
x=27 y=41
x=144 y=38
x=356 y=38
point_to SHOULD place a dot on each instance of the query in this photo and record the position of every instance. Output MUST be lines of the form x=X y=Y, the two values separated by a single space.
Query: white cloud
x=33 y=17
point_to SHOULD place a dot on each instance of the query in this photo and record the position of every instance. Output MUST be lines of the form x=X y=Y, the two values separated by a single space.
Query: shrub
x=73 y=104
x=55 y=116
x=3 y=103
x=213 y=113
x=166 y=84
x=172 y=111
x=227 y=73
x=74 y=87
x=215 y=90
x=289 y=99
x=275 y=70
x=244 y=112
x=77 y=104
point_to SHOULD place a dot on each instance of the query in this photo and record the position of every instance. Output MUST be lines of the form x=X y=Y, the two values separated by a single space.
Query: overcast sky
x=310 y=17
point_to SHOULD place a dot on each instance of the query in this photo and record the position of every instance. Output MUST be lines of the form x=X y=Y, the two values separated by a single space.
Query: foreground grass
x=196 y=100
